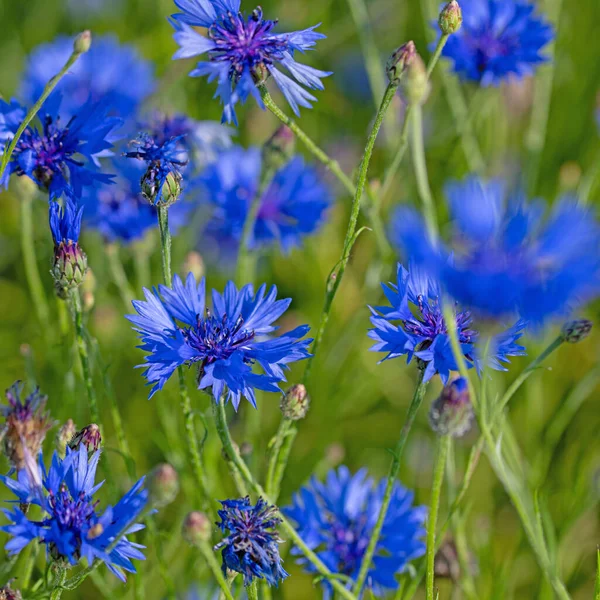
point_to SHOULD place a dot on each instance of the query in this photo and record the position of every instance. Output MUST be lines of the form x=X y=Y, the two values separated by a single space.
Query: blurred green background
x=358 y=407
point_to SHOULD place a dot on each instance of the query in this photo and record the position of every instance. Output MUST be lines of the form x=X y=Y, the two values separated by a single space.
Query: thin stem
x=186 y=404
x=32 y=273
x=35 y=109
x=156 y=543
x=333 y=283
x=246 y=261
x=274 y=452
x=420 y=165
x=319 y=154
x=211 y=561
x=57 y=584
x=80 y=338
x=119 y=276
x=413 y=409
x=244 y=471
x=282 y=461
x=437 y=53
x=252 y=591
x=436 y=492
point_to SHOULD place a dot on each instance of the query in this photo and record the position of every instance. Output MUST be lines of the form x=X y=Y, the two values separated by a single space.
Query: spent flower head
x=243 y=50
x=251 y=546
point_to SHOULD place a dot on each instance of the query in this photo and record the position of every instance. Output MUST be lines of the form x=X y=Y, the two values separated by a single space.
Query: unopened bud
x=161 y=196
x=196 y=528
x=450 y=18
x=194 y=263
x=397 y=63
x=295 y=403
x=162 y=484
x=415 y=83
x=452 y=413
x=65 y=434
x=279 y=149
x=575 y=331
x=82 y=42
x=69 y=269
x=89 y=436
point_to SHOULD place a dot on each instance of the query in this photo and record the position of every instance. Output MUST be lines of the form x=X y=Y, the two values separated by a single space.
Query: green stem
x=275 y=449
x=28 y=245
x=321 y=156
x=244 y=471
x=57 y=584
x=252 y=591
x=186 y=404
x=35 y=109
x=156 y=543
x=413 y=409
x=119 y=275
x=437 y=53
x=436 y=492
x=420 y=165
x=211 y=561
x=82 y=348
x=246 y=261
x=282 y=460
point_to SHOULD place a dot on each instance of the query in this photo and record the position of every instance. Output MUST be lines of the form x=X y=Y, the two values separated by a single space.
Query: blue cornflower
x=65 y=223
x=506 y=258
x=176 y=328
x=242 y=49
x=336 y=519
x=292 y=206
x=498 y=38
x=60 y=159
x=415 y=326
x=72 y=526
x=252 y=544
x=110 y=71
x=119 y=211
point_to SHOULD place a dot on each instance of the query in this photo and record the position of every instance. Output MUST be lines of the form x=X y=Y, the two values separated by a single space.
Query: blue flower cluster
x=177 y=328
x=72 y=527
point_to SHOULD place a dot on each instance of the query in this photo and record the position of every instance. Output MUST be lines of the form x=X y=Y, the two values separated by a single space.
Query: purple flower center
x=348 y=542
x=244 y=42
x=216 y=339
x=429 y=322
x=487 y=45
x=71 y=513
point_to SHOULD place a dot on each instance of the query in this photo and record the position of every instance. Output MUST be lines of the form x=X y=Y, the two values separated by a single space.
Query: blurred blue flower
x=120 y=213
x=73 y=527
x=505 y=258
x=110 y=71
x=336 y=519
x=292 y=206
x=252 y=543
x=60 y=159
x=242 y=49
x=176 y=328
x=414 y=326
x=498 y=38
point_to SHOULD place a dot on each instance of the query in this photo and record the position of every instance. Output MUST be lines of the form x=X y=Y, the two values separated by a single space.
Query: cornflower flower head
x=61 y=159
x=73 y=526
x=414 y=325
x=26 y=424
x=70 y=261
x=336 y=519
x=505 y=258
x=292 y=206
x=498 y=39
x=242 y=51
x=176 y=327
x=99 y=74
x=252 y=543
x=120 y=213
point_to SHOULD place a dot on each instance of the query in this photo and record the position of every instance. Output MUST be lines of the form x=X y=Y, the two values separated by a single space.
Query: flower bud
x=575 y=331
x=89 y=436
x=450 y=18
x=295 y=402
x=279 y=149
x=399 y=60
x=452 y=413
x=167 y=194
x=65 y=434
x=415 y=83
x=26 y=425
x=162 y=484
x=82 y=42
x=69 y=269
x=196 y=528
